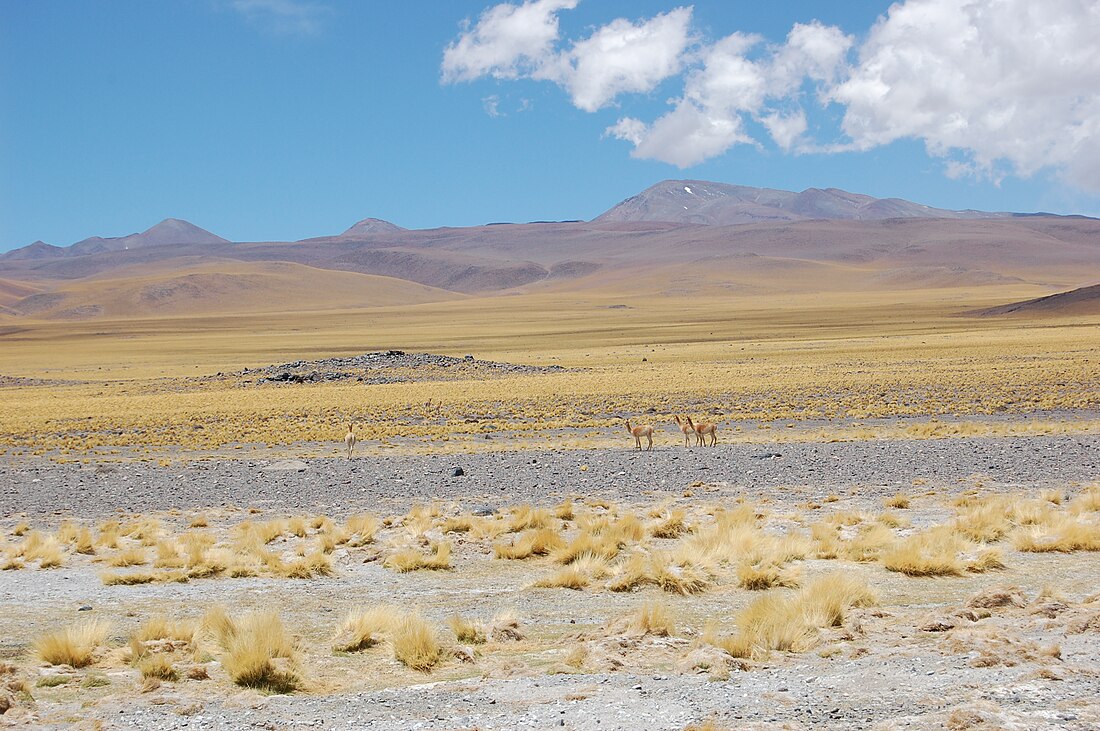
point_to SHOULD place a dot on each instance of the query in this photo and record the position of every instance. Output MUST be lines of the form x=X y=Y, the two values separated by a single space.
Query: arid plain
x=897 y=526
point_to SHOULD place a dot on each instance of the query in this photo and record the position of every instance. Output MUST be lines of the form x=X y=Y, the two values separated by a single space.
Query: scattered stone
x=483 y=511
x=998 y=596
x=941 y=624
x=458 y=472
x=84 y=608
x=1049 y=609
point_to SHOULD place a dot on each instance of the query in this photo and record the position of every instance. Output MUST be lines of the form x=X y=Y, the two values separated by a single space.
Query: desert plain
x=896 y=528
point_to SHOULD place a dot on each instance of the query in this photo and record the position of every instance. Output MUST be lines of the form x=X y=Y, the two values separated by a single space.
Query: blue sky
x=285 y=119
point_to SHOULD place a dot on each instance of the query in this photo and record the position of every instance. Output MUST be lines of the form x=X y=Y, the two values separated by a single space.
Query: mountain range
x=676 y=237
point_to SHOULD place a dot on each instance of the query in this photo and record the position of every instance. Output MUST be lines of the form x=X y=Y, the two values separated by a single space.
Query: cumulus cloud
x=622 y=57
x=508 y=41
x=520 y=41
x=733 y=84
x=993 y=87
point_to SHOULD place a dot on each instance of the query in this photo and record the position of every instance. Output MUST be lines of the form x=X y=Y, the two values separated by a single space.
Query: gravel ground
x=891 y=674
x=338 y=486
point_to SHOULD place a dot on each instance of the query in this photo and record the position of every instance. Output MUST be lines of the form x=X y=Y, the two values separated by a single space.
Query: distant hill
x=168 y=231
x=196 y=286
x=814 y=241
x=719 y=204
x=1081 y=301
x=371 y=226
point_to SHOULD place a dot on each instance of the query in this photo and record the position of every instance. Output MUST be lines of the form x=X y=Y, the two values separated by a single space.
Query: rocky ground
x=873 y=468
x=934 y=654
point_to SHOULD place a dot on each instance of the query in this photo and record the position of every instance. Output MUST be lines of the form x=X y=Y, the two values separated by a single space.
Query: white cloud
x=508 y=41
x=283 y=17
x=519 y=41
x=622 y=57
x=994 y=87
x=1005 y=83
x=731 y=85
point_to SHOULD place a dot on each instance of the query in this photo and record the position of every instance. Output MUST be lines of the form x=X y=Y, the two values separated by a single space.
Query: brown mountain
x=1081 y=301
x=371 y=226
x=719 y=204
x=1023 y=254
x=168 y=231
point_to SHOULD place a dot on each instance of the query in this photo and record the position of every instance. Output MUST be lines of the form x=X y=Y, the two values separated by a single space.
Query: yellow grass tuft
x=756 y=577
x=564 y=511
x=128 y=557
x=1063 y=534
x=790 y=622
x=365 y=626
x=577 y=575
x=258 y=653
x=410 y=559
x=532 y=542
x=160 y=627
x=670 y=525
x=470 y=632
x=313 y=564
x=111 y=578
x=157 y=666
x=74 y=645
x=934 y=552
x=899 y=501
x=415 y=643
x=525 y=517
x=653 y=618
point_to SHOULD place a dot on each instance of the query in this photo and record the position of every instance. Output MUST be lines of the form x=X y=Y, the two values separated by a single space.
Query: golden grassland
x=794 y=358
x=737 y=584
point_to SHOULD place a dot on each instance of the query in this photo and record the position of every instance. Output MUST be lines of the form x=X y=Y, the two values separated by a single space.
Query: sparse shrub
x=74 y=645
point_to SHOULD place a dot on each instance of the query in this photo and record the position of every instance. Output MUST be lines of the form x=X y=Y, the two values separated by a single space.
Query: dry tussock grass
x=74 y=645
x=652 y=618
x=410 y=559
x=257 y=652
x=365 y=627
x=531 y=542
x=578 y=574
x=467 y=631
x=899 y=501
x=1062 y=533
x=933 y=552
x=415 y=644
x=790 y=622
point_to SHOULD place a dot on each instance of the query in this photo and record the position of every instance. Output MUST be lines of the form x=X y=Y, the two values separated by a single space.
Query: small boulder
x=458 y=472
x=998 y=596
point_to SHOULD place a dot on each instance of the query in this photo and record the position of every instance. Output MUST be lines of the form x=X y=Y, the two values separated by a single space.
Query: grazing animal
x=702 y=431
x=350 y=439
x=639 y=432
x=687 y=429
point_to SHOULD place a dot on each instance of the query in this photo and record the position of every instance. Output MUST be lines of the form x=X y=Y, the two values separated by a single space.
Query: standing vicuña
x=704 y=429
x=639 y=432
x=350 y=439
x=687 y=428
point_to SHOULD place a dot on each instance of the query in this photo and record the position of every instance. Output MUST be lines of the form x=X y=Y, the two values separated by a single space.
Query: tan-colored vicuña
x=639 y=432
x=350 y=439
x=686 y=428
x=702 y=430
